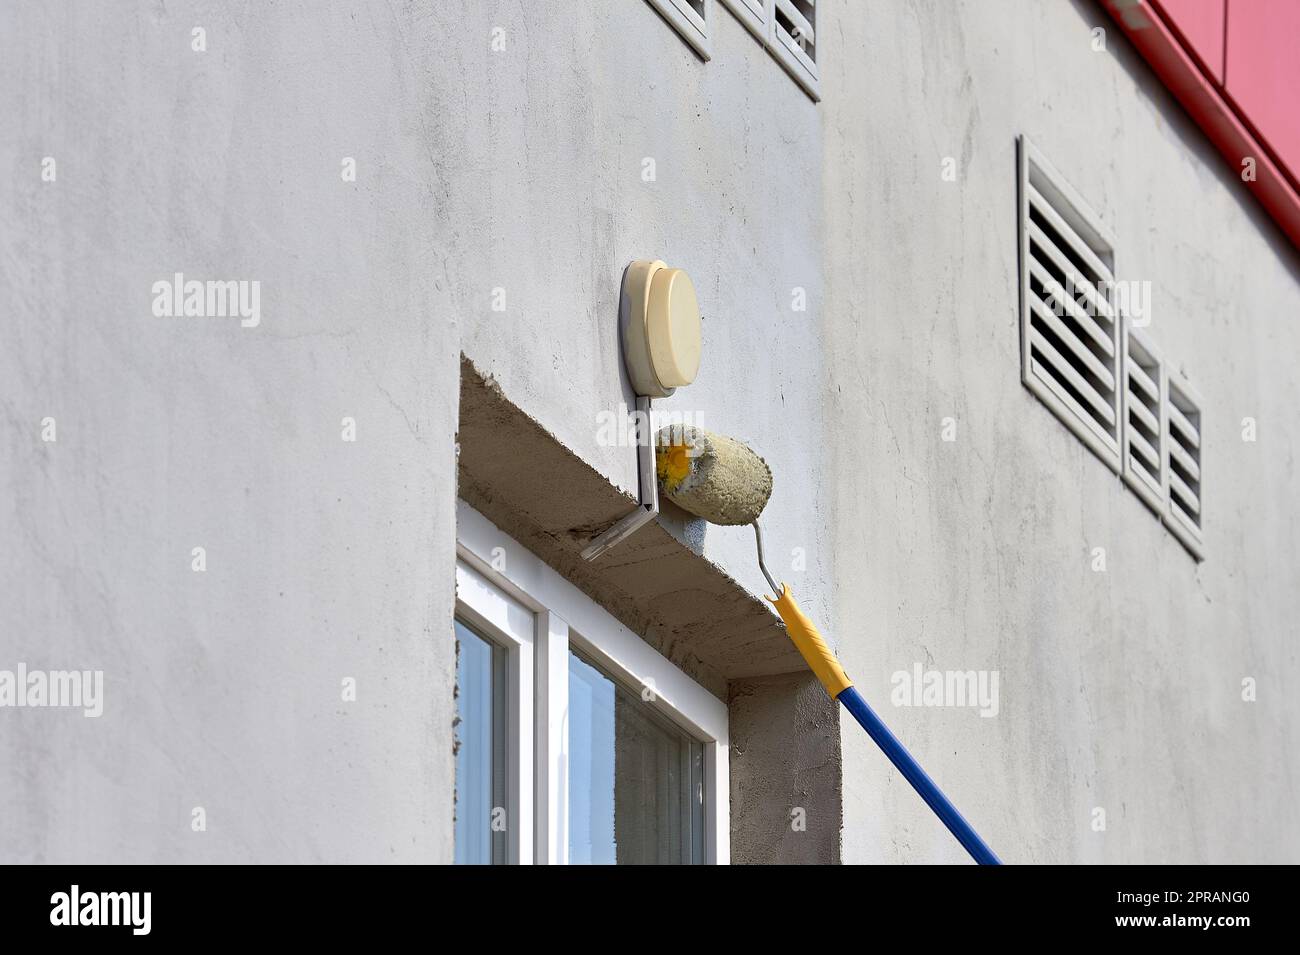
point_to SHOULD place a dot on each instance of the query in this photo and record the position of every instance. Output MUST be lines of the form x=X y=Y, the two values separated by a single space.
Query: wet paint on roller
x=711 y=475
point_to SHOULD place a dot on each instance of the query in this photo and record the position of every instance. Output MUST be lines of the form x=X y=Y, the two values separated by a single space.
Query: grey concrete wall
x=786 y=772
x=548 y=203
x=325 y=559
x=1122 y=689
x=521 y=169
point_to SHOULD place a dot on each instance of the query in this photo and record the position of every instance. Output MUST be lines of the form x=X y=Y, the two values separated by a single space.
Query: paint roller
x=725 y=482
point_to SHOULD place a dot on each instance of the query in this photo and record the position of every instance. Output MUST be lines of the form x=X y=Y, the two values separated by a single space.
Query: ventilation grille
x=694 y=6
x=1070 y=331
x=1183 y=441
x=753 y=14
x=691 y=18
x=794 y=40
x=1144 y=427
x=795 y=20
x=788 y=29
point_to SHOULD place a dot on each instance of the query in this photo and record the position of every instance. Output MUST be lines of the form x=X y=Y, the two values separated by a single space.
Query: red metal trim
x=1182 y=21
x=1162 y=49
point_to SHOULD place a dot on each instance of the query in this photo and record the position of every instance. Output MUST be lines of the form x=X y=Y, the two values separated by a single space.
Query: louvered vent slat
x=1051 y=285
x=1070 y=344
x=794 y=40
x=1143 y=445
x=1064 y=369
x=754 y=14
x=1183 y=462
x=790 y=12
x=1093 y=268
x=1140 y=410
x=1144 y=382
x=1066 y=336
x=691 y=18
x=788 y=29
x=1186 y=430
x=1144 y=438
x=1058 y=392
x=1056 y=270
x=1184 y=496
x=1045 y=280
x=1147 y=457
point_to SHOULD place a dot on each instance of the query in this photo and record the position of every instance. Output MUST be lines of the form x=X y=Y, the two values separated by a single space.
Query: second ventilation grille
x=1070 y=344
x=1183 y=458
x=1144 y=425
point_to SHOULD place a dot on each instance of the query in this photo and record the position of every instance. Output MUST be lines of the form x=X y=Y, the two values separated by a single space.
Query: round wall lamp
x=660 y=325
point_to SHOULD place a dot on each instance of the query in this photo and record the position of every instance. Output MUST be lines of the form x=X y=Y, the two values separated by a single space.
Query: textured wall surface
x=549 y=204
x=325 y=559
x=1122 y=689
x=785 y=762
x=516 y=176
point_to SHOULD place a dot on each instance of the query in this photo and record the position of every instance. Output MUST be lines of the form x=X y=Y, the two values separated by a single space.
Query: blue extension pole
x=826 y=667
x=921 y=782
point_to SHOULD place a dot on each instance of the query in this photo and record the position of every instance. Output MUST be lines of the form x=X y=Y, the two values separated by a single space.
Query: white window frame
x=505 y=588
x=508 y=624
x=687 y=22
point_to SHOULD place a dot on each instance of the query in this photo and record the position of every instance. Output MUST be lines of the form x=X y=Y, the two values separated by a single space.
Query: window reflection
x=480 y=749
x=636 y=792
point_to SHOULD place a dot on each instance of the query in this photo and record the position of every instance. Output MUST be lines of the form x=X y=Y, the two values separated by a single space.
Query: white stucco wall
x=521 y=169
x=551 y=205
x=325 y=559
x=1119 y=690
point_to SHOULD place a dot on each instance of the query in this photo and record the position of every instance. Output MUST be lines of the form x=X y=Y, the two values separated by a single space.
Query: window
x=481 y=689
x=609 y=753
x=636 y=780
x=1069 y=327
x=495 y=635
x=691 y=18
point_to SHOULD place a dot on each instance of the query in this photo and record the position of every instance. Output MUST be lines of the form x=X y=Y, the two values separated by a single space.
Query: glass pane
x=480 y=749
x=636 y=781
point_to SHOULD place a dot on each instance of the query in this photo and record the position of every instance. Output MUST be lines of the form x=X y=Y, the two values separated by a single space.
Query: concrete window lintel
x=525 y=481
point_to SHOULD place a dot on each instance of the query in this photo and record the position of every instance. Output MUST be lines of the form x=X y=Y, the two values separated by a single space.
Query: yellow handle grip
x=810 y=644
